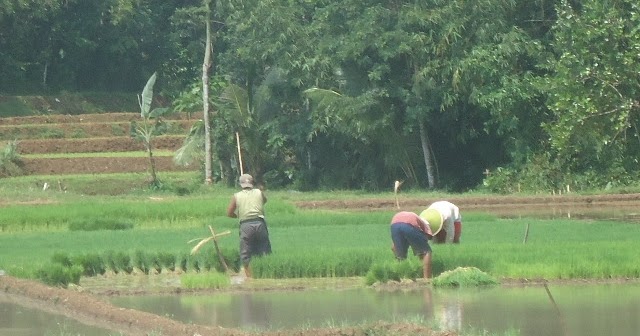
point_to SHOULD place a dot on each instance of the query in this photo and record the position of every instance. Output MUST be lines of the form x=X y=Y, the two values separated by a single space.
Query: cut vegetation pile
x=89 y=143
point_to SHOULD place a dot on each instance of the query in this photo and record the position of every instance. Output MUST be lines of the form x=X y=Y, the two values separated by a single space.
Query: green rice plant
x=167 y=260
x=91 y=263
x=62 y=259
x=183 y=262
x=123 y=262
x=209 y=280
x=59 y=275
x=92 y=224
x=141 y=261
x=155 y=263
x=464 y=277
x=194 y=264
x=110 y=262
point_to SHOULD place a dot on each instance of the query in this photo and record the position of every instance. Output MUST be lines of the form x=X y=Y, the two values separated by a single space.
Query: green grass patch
x=210 y=280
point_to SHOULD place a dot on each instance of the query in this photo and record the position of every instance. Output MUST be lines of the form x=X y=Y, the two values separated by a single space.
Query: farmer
x=446 y=221
x=248 y=206
x=408 y=229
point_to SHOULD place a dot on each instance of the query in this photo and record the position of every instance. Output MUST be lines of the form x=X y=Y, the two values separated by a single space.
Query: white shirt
x=450 y=214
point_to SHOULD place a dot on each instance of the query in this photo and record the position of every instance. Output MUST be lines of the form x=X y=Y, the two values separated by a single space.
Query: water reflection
x=585 y=310
x=18 y=320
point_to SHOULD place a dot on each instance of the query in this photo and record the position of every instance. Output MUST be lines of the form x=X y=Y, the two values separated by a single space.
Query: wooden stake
x=526 y=234
x=215 y=244
x=396 y=186
x=239 y=153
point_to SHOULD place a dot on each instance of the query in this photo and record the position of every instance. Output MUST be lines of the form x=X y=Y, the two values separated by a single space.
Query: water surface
x=585 y=310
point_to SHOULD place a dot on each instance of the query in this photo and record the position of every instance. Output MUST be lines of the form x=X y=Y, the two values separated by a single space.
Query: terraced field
x=90 y=143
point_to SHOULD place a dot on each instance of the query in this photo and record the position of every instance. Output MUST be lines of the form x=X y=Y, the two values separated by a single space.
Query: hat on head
x=246 y=181
x=434 y=218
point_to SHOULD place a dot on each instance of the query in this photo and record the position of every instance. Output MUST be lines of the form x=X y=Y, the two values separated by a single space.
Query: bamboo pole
x=239 y=153
x=215 y=244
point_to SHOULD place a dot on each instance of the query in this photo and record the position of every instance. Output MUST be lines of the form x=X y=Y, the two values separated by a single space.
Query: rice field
x=306 y=243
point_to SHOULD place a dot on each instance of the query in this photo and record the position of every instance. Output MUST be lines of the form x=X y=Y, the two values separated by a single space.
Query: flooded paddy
x=612 y=309
x=16 y=319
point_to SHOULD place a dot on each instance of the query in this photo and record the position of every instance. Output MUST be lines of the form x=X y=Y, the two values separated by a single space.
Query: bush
x=10 y=164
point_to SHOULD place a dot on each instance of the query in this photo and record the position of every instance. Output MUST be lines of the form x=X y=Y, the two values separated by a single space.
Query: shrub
x=10 y=164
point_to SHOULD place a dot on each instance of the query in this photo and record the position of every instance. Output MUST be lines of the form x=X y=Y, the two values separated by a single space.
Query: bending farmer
x=248 y=206
x=445 y=220
x=408 y=229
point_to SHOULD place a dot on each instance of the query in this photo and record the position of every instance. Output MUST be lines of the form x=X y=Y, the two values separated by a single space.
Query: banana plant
x=151 y=125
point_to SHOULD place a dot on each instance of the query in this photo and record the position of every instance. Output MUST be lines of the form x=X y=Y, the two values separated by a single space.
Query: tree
x=592 y=87
x=150 y=126
x=206 y=66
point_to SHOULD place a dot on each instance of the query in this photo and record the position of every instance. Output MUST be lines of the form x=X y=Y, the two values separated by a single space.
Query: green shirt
x=249 y=204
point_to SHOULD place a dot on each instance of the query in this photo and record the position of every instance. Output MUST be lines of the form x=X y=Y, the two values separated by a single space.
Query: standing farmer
x=446 y=220
x=408 y=229
x=248 y=206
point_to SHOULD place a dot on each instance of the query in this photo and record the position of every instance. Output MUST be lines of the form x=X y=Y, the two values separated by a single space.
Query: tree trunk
x=152 y=166
x=426 y=152
x=206 y=65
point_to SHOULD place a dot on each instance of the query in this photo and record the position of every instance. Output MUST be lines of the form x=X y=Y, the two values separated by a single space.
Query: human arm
x=457 y=232
x=264 y=197
x=425 y=227
x=231 y=209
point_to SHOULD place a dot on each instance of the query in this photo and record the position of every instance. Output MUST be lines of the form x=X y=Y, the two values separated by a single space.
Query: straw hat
x=434 y=218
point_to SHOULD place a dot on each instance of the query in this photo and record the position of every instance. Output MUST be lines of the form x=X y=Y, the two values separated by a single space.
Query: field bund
x=91 y=143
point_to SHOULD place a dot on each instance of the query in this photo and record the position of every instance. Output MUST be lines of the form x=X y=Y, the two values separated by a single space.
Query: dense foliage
x=509 y=94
